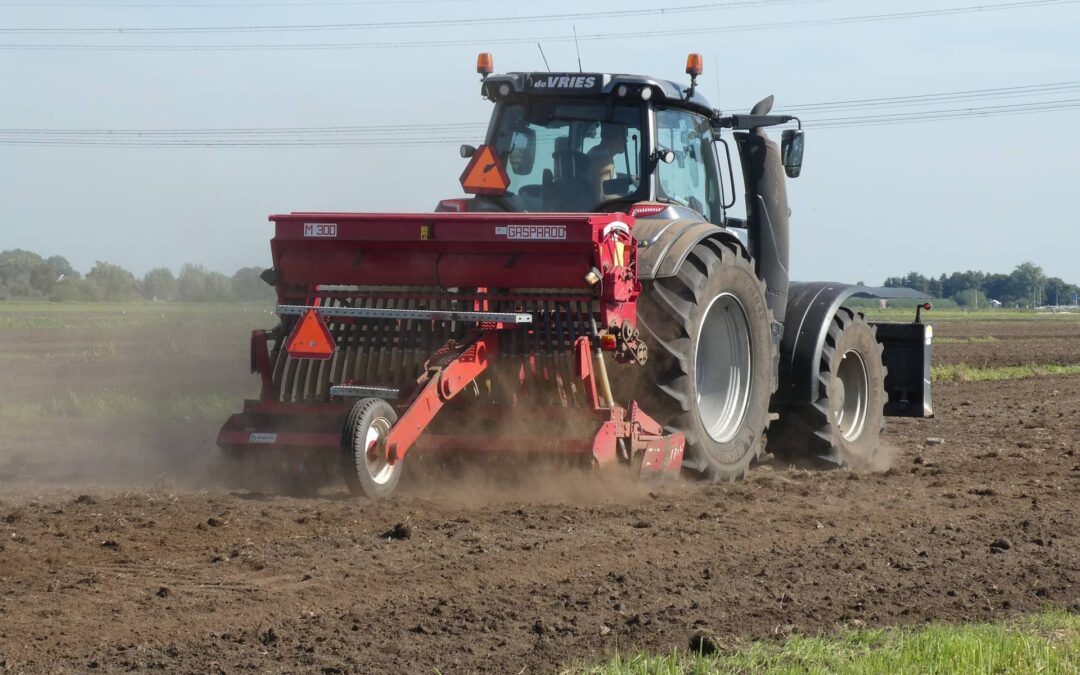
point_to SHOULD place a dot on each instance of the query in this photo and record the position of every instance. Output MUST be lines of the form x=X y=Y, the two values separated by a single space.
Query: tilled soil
x=1016 y=343
x=499 y=579
x=531 y=573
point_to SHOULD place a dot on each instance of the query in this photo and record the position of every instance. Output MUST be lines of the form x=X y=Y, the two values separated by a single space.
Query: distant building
x=995 y=304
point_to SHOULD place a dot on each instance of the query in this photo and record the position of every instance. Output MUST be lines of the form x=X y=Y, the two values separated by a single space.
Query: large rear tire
x=843 y=424
x=367 y=470
x=710 y=358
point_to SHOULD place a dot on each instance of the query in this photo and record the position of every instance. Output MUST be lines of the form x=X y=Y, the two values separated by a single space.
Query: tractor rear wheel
x=368 y=472
x=843 y=425
x=710 y=358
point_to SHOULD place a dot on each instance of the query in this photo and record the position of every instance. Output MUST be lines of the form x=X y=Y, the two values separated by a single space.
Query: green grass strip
x=1047 y=643
x=971 y=340
x=121 y=316
x=120 y=405
x=962 y=372
x=961 y=315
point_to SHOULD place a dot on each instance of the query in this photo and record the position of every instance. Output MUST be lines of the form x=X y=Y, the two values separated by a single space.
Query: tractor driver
x=602 y=157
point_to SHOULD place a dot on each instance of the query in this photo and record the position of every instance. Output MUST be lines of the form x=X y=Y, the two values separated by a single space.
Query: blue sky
x=872 y=202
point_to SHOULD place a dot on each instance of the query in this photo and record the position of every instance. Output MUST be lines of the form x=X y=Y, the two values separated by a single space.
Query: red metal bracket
x=583 y=365
x=450 y=371
x=662 y=453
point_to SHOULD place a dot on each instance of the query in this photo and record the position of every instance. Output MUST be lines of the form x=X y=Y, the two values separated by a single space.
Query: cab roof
x=569 y=84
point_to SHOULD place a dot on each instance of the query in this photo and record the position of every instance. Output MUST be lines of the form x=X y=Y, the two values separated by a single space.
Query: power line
x=382 y=128
x=415 y=23
x=920 y=100
x=956 y=113
x=425 y=131
x=214 y=5
x=438 y=137
x=925 y=99
x=397 y=44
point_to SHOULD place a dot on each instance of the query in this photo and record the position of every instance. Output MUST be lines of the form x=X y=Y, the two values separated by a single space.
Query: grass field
x=20 y=315
x=952 y=314
x=963 y=372
x=1046 y=643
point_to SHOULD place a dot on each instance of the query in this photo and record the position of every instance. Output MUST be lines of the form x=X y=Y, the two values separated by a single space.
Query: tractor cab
x=599 y=142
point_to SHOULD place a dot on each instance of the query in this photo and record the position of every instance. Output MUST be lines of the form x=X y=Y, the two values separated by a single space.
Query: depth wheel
x=367 y=470
x=710 y=356
x=843 y=425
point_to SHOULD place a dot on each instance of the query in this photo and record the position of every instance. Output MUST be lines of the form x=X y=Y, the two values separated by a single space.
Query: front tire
x=710 y=358
x=843 y=425
x=367 y=470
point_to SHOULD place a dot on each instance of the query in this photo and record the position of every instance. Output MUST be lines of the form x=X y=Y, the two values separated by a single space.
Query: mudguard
x=907 y=349
x=664 y=244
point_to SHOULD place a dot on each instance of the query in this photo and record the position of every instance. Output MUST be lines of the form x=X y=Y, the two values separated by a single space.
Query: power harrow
x=453 y=332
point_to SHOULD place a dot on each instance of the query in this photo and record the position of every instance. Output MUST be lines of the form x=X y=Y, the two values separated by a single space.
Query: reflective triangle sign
x=310 y=339
x=485 y=174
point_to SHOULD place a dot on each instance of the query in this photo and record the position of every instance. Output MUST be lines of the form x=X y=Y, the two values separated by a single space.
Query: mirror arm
x=748 y=122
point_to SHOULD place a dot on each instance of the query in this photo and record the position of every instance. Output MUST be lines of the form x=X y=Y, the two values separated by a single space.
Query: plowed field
x=120 y=549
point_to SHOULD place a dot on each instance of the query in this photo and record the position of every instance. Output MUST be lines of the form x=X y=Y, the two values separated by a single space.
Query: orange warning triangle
x=485 y=174
x=310 y=339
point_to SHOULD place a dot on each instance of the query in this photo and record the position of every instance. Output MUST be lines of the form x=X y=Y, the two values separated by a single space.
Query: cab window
x=570 y=155
x=692 y=179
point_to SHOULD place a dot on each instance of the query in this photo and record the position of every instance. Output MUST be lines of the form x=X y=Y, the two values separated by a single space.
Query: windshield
x=570 y=156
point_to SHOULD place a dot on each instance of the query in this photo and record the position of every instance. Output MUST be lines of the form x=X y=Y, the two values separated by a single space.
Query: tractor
x=593 y=297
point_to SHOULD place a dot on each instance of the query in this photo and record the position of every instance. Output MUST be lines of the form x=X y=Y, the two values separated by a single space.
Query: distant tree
x=52 y=271
x=1026 y=283
x=218 y=287
x=996 y=286
x=17 y=270
x=247 y=285
x=192 y=283
x=1059 y=292
x=971 y=297
x=159 y=283
x=934 y=286
x=76 y=289
x=960 y=281
x=115 y=282
x=197 y=284
x=912 y=280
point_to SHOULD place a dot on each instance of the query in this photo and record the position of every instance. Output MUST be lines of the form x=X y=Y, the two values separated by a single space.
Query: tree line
x=1025 y=286
x=24 y=274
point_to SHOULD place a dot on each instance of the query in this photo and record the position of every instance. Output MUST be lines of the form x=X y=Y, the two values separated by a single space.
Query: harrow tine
x=363 y=345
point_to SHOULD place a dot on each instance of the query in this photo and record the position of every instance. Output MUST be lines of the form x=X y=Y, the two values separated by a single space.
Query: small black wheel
x=843 y=425
x=367 y=470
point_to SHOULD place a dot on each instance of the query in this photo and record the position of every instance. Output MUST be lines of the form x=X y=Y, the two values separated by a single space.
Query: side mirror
x=665 y=156
x=791 y=151
x=467 y=151
x=522 y=151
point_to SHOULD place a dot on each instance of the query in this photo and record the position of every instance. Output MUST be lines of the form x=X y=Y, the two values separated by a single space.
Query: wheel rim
x=723 y=365
x=378 y=466
x=854 y=384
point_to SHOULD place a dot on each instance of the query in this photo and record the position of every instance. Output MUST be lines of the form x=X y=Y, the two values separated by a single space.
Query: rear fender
x=664 y=244
x=906 y=355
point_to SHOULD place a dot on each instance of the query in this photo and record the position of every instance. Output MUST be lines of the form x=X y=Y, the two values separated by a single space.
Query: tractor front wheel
x=843 y=424
x=710 y=358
